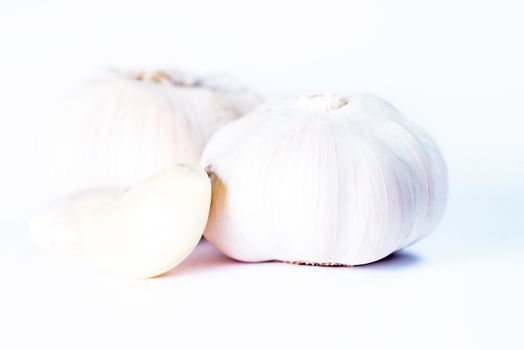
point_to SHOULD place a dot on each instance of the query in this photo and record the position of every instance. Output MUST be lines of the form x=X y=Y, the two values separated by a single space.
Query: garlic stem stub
x=152 y=227
x=323 y=180
x=124 y=126
x=56 y=229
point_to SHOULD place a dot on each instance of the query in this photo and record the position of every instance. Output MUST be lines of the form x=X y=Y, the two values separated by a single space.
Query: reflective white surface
x=455 y=67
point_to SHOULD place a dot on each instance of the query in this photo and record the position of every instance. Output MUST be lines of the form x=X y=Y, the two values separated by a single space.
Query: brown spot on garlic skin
x=161 y=76
x=310 y=263
x=210 y=173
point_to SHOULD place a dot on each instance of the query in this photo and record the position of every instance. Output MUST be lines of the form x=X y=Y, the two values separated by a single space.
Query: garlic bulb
x=323 y=180
x=152 y=227
x=56 y=229
x=123 y=127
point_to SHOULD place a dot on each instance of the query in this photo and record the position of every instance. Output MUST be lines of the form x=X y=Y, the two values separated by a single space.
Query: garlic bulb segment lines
x=323 y=179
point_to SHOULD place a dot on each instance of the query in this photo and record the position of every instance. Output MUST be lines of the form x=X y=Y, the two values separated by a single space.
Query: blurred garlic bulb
x=123 y=127
x=56 y=228
x=323 y=180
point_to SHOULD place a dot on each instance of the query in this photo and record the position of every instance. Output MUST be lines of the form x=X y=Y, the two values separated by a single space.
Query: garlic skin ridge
x=323 y=180
x=123 y=126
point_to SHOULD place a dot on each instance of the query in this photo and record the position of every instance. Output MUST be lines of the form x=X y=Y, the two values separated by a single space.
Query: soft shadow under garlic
x=397 y=260
x=393 y=261
x=205 y=257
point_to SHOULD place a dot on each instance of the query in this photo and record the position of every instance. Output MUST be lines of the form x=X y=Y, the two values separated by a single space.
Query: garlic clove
x=323 y=179
x=56 y=229
x=152 y=227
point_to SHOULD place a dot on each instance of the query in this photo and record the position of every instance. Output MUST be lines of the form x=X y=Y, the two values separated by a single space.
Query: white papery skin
x=152 y=227
x=324 y=180
x=122 y=127
x=56 y=228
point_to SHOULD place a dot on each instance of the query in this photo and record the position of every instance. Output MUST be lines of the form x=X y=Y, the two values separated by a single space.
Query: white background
x=455 y=67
